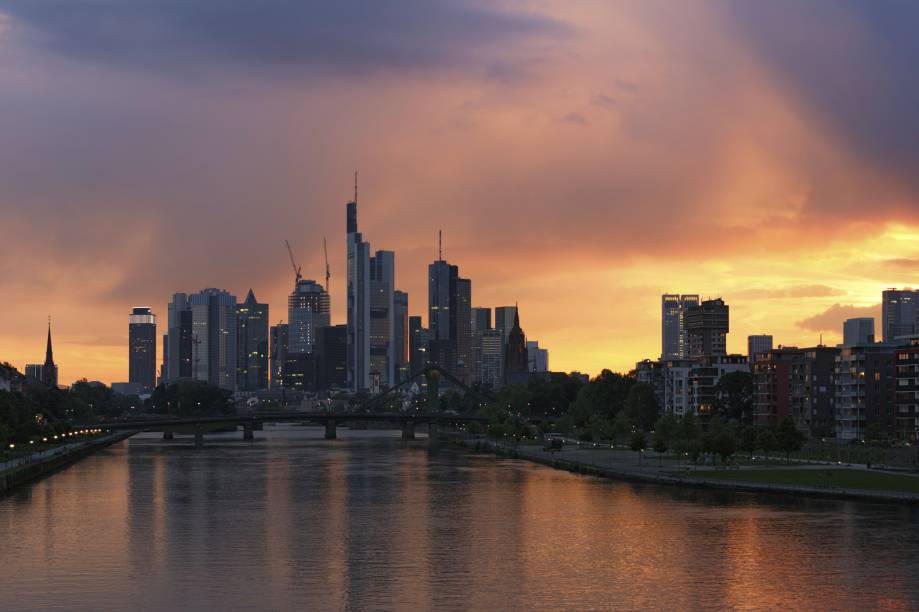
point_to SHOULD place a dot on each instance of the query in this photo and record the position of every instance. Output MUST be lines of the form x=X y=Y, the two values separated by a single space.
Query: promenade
x=622 y=464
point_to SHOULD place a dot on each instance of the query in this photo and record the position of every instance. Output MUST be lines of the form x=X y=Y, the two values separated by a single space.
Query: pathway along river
x=366 y=522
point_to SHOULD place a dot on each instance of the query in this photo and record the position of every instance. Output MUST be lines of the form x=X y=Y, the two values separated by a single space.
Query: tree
x=765 y=439
x=748 y=439
x=622 y=425
x=641 y=405
x=788 y=438
x=474 y=428
x=661 y=442
x=496 y=431
x=638 y=443
x=723 y=444
x=873 y=432
x=605 y=395
x=734 y=396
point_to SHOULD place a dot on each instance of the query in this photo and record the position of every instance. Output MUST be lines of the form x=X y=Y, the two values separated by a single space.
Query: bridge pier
x=199 y=440
x=408 y=429
x=168 y=436
x=330 y=429
x=247 y=432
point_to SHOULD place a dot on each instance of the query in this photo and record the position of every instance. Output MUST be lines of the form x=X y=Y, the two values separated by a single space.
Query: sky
x=581 y=157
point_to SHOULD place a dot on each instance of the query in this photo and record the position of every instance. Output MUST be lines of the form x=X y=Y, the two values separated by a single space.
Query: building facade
x=142 y=348
x=400 y=335
x=898 y=313
x=758 y=345
x=907 y=414
x=859 y=330
x=537 y=358
x=674 y=338
x=252 y=344
x=707 y=328
x=865 y=390
x=358 y=306
x=280 y=346
x=382 y=320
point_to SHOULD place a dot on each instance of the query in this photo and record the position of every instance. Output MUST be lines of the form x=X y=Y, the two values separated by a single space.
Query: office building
x=400 y=335
x=756 y=346
x=450 y=320
x=707 y=328
x=504 y=319
x=704 y=376
x=537 y=358
x=491 y=370
x=280 y=346
x=674 y=338
x=142 y=348
x=332 y=358
x=177 y=355
x=202 y=338
x=307 y=312
x=481 y=322
x=382 y=320
x=252 y=344
x=418 y=340
x=898 y=313
x=358 y=306
x=858 y=331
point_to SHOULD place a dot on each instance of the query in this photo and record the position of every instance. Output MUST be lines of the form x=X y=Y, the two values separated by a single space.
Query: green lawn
x=853 y=479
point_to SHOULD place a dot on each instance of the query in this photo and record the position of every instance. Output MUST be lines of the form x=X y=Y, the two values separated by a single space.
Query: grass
x=837 y=478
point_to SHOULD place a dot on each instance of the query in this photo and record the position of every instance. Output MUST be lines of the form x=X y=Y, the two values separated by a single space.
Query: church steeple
x=49 y=354
x=49 y=370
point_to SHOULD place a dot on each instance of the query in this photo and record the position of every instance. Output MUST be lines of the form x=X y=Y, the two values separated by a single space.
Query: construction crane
x=328 y=274
x=293 y=263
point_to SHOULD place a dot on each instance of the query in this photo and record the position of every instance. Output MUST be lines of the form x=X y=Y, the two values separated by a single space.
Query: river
x=368 y=522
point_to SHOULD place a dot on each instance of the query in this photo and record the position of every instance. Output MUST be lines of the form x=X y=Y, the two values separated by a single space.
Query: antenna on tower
x=440 y=245
x=328 y=274
x=355 y=186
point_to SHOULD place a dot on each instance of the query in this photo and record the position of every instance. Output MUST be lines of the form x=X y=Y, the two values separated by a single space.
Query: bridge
x=200 y=425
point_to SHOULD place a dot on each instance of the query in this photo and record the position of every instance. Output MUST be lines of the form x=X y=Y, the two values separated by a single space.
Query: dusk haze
x=459 y=304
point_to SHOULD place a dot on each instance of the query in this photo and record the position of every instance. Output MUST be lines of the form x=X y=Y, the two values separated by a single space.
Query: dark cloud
x=833 y=317
x=575 y=118
x=345 y=35
x=852 y=62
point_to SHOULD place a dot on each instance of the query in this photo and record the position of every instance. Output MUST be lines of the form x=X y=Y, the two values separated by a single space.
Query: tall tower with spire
x=49 y=369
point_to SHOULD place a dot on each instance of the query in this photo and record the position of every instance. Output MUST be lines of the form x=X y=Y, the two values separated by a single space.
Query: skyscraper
x=382 y=320
x=177 y=358
x=898 y=313
x=504 y=319
x=358 y=302
x=859 y=330
x=481 y=322
x=252 y=344
x=450 y=320
x=707 y=328
x=331 y=353
x=49 y=369
x=280 y=343
x=417 y=345
x=757 y=345
x=491 y=370
x=674 y=338
x=213 y=337
x=142 y=348
x=400 y=335
x=307 y=311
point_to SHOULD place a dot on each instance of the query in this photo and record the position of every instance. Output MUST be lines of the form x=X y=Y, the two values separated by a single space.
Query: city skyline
x=583 y=160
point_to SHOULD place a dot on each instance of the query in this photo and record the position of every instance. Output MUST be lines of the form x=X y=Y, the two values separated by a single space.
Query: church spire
x=49 y=354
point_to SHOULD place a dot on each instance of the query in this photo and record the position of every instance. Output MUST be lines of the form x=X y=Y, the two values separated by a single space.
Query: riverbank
x=621 y=465
x=47 y=463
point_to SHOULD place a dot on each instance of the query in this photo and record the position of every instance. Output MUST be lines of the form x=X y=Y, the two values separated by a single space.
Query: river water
x=368 y=522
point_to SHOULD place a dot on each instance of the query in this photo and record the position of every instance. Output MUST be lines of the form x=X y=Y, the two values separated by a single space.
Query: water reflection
x=291 y=521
